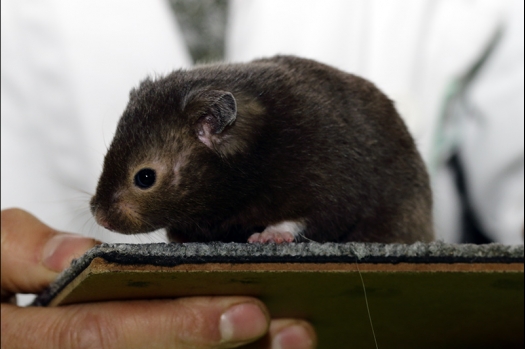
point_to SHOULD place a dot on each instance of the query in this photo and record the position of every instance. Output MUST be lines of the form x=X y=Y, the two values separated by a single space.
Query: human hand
x=32 y=256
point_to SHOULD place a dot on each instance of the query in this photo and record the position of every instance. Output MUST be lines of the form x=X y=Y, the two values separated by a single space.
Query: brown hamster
x=278 y=149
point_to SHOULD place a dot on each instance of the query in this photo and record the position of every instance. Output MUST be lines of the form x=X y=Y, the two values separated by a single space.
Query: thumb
x=33 y=254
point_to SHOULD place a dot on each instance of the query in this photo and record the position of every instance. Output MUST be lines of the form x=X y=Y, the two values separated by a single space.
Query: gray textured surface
x=190 y=253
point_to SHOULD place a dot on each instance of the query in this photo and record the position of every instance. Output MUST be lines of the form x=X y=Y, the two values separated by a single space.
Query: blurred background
x=454 y=69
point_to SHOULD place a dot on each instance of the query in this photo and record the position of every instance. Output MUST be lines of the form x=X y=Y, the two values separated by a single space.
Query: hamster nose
x=103 y=222
x=101 y=219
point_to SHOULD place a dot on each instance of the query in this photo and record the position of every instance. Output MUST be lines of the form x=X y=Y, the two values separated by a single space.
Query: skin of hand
x=32 y=256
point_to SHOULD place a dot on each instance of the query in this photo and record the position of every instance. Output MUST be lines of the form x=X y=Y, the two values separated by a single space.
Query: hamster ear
x=221 y=112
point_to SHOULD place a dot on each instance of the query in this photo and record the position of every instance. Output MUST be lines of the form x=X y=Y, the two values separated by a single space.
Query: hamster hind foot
x=286 y=231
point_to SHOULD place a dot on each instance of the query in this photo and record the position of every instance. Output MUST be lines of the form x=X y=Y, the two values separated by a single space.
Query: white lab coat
x=67 y=69
x=420 y=53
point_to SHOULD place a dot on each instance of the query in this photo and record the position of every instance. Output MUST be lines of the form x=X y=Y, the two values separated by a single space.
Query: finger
x=33 y=253
x=292 y=334
x=197 y=322
x=287 y=334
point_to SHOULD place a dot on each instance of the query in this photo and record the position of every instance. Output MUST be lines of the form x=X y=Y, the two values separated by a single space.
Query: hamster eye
x=145 y=178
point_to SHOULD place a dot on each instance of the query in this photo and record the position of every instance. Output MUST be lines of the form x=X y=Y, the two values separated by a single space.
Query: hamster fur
x=274 y=150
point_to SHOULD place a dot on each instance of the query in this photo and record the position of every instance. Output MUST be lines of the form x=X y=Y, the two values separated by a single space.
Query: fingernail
x=293 y=337
x=243 y=322
x=61 y=249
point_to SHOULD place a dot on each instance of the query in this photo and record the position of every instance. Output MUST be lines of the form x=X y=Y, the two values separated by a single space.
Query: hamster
x=276 y=150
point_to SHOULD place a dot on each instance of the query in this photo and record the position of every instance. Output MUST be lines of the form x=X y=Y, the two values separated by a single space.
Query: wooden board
x=458 y=305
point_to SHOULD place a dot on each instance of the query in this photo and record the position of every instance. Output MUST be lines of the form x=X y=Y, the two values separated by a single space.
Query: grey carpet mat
x=198 y=253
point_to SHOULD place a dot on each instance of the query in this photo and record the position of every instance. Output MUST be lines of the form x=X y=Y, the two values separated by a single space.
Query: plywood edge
x=99 y=265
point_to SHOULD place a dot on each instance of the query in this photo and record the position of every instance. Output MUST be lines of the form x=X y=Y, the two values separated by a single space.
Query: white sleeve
x=491 y=150
x=67 y=69
x=416 y=51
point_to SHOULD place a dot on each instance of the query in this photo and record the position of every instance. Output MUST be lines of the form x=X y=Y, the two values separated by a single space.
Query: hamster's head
x=167 y=164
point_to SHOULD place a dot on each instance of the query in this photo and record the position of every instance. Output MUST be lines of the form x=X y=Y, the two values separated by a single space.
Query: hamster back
x=275 y=150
